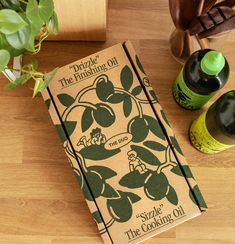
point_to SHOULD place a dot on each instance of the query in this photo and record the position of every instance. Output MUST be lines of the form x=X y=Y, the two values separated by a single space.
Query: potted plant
x=22 y=22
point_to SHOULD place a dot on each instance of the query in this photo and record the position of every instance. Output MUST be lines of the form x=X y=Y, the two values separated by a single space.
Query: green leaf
x=155 y=145
x=195 y=192
x=46 y=9
x=32 y=13
x=176 y=145
x=185 y=168
x=10 y=4
x=155 y=127
x=34 y=62
x=137 y=90
x=65 y=99
x=133 y=197
x=48 y=103
x=4 y=59
x=165 y=118
x=127 y=106
x=172 y=196
x=97 y=152
x=109 y=192
x=116 y=98
x=126 y=78
x=21 y=80
x=105 y=172
x=5 y=45
x=133 y=179
x=54 y=23
x=10 y=21
x=177 y=170
x=48 y=78
x=139 y=64
x=37 y=86
x=70 y=127
x=20 y=38
x=153 y=95
x=96 y=216
x=145 y=155
x=87 y=119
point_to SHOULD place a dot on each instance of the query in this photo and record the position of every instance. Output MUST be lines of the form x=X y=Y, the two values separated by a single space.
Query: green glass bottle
x=214 y=130
x=205 y=72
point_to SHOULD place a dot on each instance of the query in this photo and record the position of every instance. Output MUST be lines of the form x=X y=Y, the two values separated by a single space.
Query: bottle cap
x=212 y=63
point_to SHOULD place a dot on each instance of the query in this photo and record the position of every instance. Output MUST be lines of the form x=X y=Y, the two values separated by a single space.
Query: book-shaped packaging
x=121 y=147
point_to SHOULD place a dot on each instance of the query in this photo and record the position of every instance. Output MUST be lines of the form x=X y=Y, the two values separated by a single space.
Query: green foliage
x=155 y=145
x=97 y=152
x=20 y=22
x=145 y=155
x=87 y=119
x=4 y=57
x=172 y=196
x=126 y=78
x=127 y=106
x=65 y=99
x=133 y=179
x=176 y=145
x=70 y=127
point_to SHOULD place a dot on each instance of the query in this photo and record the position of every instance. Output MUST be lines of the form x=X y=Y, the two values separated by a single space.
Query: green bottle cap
x=212 y=63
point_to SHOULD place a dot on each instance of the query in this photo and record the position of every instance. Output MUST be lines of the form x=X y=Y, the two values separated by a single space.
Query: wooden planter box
x=81 y=20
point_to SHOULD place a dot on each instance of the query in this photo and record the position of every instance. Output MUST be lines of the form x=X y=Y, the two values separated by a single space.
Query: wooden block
x=81 y=20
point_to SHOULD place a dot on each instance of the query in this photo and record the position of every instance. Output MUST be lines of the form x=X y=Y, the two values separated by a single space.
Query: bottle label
x=202 y=139
x=186 y=97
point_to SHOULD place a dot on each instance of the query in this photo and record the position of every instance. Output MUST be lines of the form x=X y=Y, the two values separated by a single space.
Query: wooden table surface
x=40 y=201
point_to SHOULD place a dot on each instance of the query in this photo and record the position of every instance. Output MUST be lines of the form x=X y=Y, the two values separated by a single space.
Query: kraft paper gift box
x=121 y=147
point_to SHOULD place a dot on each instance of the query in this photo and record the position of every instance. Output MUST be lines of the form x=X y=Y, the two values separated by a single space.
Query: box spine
x=195 y=191
x=75 y=164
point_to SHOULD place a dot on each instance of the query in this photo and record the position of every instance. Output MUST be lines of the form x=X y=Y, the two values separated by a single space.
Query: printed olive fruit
x=104 y=88
x=104 y=115
x=120 y=209
x=95 y=182
x=138 y=127
x=156 y=186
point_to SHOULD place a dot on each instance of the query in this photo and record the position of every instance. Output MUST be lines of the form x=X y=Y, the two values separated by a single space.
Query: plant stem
x=23 y=1
x=167 y=162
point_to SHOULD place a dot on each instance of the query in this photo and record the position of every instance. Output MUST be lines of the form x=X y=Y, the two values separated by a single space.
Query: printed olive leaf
x=86 y=192
x=97 y=152
x=137 y=90
x=104 y=115
x=126 y=78
x=97 y=218
x=185 y=168
x=155 y=127
x=153 y=95
x=109 y=192
x=139 y=64
x=104 y=88
x=105 y=172
x=195 y=192
x=65 y=99
x=165 y=118
x=116 y=98
x=131 y=196
x=139 y=129
x=127 y=106
x=69 y=126
x=145 y=155
x=48 y=103
x=172 y=196
x=154 y=145
x=87 y=119
x=176 y=145
x=133 y=179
